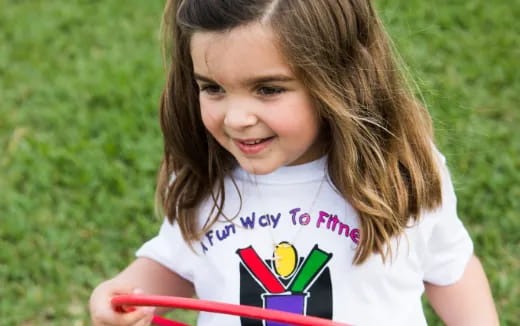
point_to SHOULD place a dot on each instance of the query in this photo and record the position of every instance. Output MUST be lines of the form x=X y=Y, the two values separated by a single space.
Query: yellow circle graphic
x=285 y=259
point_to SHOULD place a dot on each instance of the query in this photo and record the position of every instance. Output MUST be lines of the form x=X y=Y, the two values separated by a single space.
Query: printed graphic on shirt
x=325 y=221
x=286 y=282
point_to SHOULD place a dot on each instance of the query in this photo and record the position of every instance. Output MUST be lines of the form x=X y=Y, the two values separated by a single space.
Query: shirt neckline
x=307 y=172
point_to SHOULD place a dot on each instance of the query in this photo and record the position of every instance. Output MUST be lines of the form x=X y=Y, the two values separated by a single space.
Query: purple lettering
x=263 y=220
x=332 y=222
x=248 y=222
x=305 y=219
x=209 y=236
x=275 y=219
x=343 y=227
x=321 y=218
x=293 y=213
x=231 y=227
x=223 y=235
x=204 y=248
x=354 y=235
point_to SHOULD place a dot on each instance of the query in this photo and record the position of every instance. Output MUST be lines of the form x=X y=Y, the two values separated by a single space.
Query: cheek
x=308 y=115
x=210 y=116
x=298 y=115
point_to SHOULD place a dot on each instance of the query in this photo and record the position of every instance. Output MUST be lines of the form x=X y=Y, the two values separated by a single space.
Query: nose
x=240 y=114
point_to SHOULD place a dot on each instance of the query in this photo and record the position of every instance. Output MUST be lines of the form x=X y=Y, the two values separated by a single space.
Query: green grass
x=80 y=140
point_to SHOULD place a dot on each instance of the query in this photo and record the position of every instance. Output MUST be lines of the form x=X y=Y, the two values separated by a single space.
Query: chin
x=257 y=169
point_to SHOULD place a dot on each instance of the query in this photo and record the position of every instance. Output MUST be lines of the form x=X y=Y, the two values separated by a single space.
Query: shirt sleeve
x=449 y=246
x=170 y=250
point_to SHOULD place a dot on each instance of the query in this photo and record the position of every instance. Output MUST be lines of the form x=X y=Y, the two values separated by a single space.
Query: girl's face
x=250 y=100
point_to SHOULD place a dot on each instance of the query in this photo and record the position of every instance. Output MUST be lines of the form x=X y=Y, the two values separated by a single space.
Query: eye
x=211 y=89
x=270 y=90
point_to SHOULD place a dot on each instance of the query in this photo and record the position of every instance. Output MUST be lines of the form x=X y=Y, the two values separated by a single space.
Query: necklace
x=285 y=256
x=299 y=218
x=285 y=261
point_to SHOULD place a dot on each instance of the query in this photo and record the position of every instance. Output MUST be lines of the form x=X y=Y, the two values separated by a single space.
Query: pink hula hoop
x=217 y=307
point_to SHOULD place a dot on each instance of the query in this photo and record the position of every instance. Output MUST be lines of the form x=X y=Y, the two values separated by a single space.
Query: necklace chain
x=309 y=211
x=297 y=233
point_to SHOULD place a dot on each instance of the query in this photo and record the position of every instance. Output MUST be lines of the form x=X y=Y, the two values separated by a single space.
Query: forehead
x=238 y=53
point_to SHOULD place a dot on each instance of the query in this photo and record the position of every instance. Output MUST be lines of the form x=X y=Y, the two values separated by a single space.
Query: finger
x=135 y=317
x=105 y=315
x=147 y=320
x=138 y=291
x=128 y=308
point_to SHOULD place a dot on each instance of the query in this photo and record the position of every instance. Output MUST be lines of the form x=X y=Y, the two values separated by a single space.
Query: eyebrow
x=251 y=80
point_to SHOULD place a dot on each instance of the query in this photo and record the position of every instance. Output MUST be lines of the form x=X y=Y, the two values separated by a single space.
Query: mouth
x=253 y=146
x=254 y=141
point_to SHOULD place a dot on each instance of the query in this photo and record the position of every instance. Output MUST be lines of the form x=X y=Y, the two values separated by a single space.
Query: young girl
x=299 y=174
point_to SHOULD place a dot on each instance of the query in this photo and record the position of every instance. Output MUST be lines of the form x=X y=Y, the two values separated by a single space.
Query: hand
x=103 y=313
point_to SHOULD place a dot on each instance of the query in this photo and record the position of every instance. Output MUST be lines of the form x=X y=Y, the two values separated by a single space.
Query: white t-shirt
x=317 y=233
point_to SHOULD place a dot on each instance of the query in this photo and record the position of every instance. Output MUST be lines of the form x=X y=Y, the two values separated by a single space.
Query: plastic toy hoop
x=217 y=307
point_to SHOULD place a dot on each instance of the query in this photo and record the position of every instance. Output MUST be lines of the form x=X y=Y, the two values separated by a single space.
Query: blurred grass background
x=80 y=141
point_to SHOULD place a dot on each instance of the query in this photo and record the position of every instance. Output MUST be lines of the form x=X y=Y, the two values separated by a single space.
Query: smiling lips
x=253 y=146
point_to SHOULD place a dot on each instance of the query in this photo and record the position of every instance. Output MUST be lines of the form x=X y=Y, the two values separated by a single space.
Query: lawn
x=80 y=140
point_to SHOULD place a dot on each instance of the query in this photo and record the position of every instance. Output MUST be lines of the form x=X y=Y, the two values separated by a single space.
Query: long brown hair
x=380 y=150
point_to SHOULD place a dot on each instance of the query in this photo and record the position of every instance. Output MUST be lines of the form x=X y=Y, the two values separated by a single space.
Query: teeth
x=253 y=142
